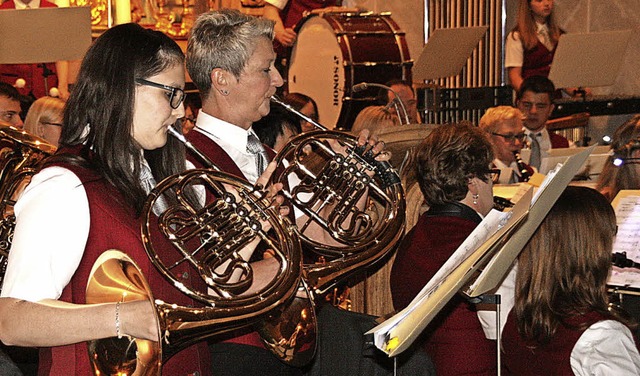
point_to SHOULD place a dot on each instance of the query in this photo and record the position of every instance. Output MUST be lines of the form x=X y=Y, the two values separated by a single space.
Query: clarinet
x=522 y=168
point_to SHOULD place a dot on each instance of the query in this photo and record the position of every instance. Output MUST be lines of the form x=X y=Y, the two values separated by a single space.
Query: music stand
x=589 y=60
x=446 y=52
x=42 y=36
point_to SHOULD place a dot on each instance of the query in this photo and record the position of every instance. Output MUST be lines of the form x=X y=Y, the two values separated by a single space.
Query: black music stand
x=589 y=60
x=43 y=37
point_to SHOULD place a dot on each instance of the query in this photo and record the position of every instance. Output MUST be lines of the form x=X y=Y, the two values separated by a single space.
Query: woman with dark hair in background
x=452 y=168
x=277 y=128
x=307 y=106
x=561 y=323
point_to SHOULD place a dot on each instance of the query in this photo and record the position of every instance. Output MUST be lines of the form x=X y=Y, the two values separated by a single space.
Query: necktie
x=148 y=183
x=546 y=40
x=535 y=158
x=254 y=146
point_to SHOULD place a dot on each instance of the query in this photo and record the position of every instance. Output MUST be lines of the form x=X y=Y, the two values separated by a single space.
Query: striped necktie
x=535 y=158
x=254 y=146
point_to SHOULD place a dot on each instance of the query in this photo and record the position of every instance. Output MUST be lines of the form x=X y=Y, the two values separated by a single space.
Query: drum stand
x=493 y=299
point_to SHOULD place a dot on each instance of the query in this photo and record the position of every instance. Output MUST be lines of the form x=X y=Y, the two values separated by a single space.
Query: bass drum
x=335 y=51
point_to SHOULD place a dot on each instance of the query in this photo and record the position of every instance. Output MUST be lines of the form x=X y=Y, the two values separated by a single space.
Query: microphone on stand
x=396 y=100
x=620 y=260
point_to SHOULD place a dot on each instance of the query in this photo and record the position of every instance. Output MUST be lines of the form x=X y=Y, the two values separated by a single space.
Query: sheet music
x=394 y=335
x=627 y=239
x=495 y=254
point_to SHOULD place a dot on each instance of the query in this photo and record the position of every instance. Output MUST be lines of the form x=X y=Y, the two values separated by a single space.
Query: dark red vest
x=558 y=141
x=537 y=61
x=114 y=225
x=523 y=358
x=454 y=340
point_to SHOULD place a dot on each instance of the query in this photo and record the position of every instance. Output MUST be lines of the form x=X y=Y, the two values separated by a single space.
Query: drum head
x=316 y=69
x=335 y=51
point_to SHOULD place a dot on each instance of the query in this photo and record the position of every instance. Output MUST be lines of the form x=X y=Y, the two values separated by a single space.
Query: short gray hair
x=223 y=39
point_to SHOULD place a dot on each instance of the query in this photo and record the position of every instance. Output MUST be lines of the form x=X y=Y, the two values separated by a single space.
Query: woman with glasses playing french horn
x=88 y=198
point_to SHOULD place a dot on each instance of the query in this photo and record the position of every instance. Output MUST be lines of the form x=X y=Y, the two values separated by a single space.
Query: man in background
x=10 y=105
x=405 y=94
x=535 y=100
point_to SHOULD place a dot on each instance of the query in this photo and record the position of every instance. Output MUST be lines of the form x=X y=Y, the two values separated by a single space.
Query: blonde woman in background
x=374 y=118
x=44 y=119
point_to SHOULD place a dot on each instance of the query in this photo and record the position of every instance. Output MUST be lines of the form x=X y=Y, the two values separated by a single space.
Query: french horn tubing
x=331 y=184
x=20 y=153
x=209 y=238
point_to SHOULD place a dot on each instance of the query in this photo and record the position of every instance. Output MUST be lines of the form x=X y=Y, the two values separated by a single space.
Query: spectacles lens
x=177 y=96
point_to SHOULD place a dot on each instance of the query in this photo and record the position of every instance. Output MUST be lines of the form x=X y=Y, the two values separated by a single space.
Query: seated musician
x=535 y=100
x=561 y=323
x=452 y=166
x=503 y=125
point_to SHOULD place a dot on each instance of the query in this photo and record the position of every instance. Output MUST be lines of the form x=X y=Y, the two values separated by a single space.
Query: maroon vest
x=114 y=225
x=523 y=357
x=558 y=141
x=537 y=61
x=454 y=340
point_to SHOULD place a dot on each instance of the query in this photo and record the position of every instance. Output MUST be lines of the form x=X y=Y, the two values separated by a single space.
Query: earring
x=224 y=92
x=475 y=198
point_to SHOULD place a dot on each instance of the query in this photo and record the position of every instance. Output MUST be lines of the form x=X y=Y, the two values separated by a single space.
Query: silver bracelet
x=118 y=332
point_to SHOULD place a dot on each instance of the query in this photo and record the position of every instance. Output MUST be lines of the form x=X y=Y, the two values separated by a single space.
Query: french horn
x=20 y=153
x=330 y=186
x=210 y=238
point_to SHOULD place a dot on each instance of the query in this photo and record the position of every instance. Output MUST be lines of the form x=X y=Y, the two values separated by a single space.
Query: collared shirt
x=232 y=139
x=514 y=51
x=34 y=4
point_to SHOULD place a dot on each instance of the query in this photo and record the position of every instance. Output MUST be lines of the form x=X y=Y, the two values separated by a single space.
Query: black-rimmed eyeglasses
x=511 y=137
x=175 y=94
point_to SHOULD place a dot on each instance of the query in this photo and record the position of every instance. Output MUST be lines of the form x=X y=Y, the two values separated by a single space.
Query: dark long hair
x=563 y=269
x=99 y=113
